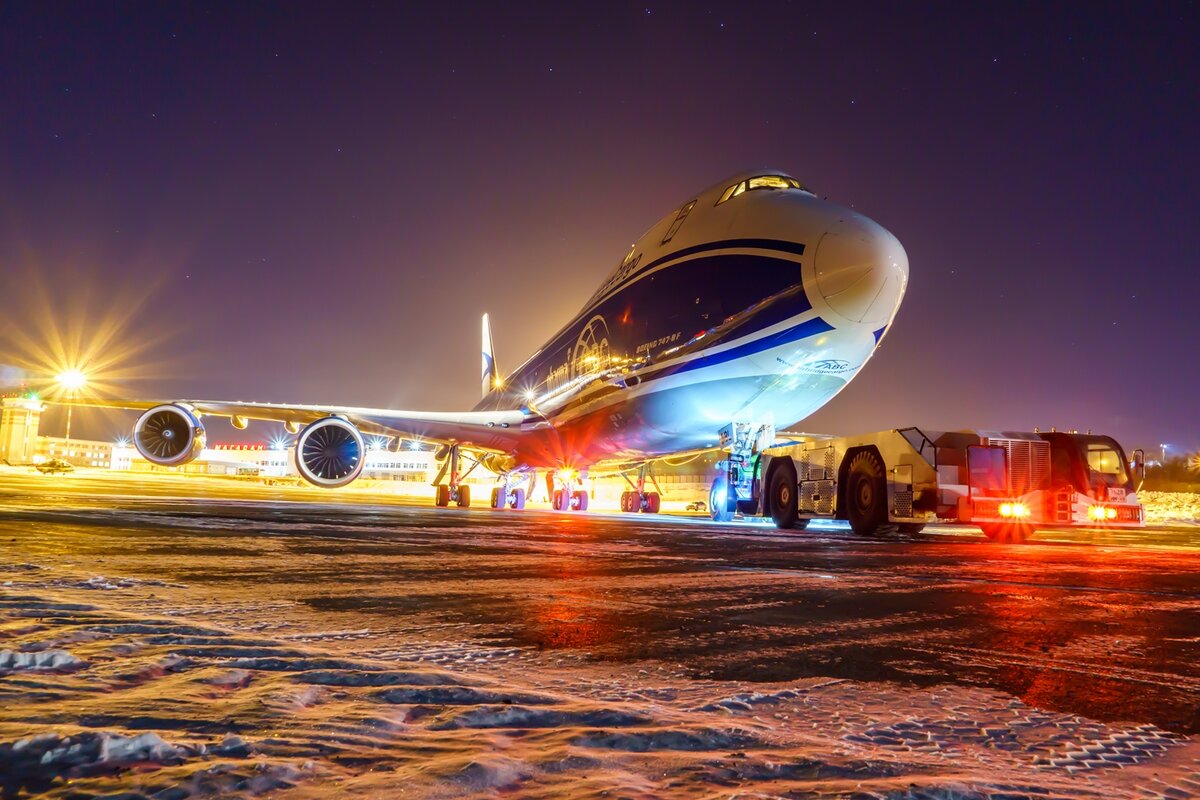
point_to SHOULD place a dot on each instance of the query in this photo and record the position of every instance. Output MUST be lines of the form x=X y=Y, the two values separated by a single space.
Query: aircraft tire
x=498 y=497
x=442 y=497
x=518 y=499
x=464 y=496
x=626 y=502
x=718 y=501
x=653 y=503
x=866 y=494
x=559 y=500
x=579 y=500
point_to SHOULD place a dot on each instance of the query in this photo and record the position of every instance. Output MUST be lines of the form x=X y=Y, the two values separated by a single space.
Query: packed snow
x=176 y=705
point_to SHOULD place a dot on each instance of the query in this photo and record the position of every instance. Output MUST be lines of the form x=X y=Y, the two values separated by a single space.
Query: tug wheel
x=784 y=494
x=866 y=494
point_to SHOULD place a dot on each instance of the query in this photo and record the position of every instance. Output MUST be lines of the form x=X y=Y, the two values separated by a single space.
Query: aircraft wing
x=482 y=430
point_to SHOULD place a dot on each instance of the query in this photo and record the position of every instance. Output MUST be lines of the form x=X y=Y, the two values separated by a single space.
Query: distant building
x=19 y=419
x=22 y=444
x=276 y=462
x=80 y=452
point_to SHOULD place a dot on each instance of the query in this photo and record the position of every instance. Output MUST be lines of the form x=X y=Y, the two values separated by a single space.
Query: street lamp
x=1164 y=453
x=72 y=380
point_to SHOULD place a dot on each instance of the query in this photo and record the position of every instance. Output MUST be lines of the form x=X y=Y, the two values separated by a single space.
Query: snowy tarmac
x=172 y=640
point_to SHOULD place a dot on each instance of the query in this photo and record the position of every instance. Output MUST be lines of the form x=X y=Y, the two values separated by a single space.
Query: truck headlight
x=1014 y=510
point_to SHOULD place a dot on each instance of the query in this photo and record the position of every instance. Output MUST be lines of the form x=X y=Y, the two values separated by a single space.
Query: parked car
x=54 y=465
x=698 y=505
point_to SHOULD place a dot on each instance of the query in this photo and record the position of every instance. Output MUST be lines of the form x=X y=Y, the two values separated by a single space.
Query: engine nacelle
x=169 y=435
x=330 y=452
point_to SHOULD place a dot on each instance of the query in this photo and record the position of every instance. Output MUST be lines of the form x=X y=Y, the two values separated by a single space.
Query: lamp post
x=1164 y=452
x=72 y=380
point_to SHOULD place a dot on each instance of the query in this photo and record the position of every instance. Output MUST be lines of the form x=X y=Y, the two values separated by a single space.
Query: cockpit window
x=683 y=213
x=760 y=182
x=732 y=191
x=772 y=182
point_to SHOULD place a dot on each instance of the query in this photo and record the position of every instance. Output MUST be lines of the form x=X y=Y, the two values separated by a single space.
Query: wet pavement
x=1100 y=624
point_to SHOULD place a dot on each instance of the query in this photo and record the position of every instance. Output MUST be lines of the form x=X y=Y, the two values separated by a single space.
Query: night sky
x=315 y=202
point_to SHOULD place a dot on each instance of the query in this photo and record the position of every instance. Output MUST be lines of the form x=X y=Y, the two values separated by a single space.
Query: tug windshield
x=1088 y=462
x=1105 y=463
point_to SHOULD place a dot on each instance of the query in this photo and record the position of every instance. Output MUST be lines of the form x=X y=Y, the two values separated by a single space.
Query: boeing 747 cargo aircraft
x=754 y=301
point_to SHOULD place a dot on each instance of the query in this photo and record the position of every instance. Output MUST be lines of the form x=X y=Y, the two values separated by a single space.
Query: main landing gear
x=455 y=491
x=507 y=496
x=639 y=499
x=566 y=490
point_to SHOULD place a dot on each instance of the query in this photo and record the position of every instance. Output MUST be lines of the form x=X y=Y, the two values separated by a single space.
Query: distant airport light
x=414 y=445
x=72 y=380
x=122 y=441
x=497 y=382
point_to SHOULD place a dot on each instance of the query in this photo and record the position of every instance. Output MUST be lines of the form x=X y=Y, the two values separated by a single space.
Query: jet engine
x=330 y=452
x=169 y=435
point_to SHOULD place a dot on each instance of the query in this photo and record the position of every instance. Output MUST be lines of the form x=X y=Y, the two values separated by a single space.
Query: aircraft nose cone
x=861 y=271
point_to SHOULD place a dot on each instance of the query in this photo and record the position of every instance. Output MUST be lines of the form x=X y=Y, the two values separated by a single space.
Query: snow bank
x=1171 y=506
x=85 y=753
x=46 y=660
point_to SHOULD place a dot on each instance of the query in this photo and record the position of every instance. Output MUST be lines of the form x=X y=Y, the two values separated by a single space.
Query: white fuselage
x=758 y=307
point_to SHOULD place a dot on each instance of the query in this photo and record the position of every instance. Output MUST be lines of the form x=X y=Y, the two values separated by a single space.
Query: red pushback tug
x=1008 y=483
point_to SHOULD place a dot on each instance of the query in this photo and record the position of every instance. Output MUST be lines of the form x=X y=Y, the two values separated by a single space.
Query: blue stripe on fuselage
x=796 y=333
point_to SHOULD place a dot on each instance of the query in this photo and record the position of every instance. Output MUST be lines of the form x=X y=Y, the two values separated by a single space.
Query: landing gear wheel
x=866 y=494
x=629 y=502
x=783 y=491
x=653 y=503
x=1006 y=533
x=911 y=527
x=498 y=497
x=559 y=500
x=579 y=500
x=441 y=498
x=464 y=496
x=518 y=499
x=718 y=501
